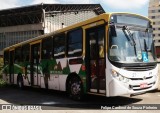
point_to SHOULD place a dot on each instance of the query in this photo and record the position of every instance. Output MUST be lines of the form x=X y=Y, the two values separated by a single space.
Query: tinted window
x=153 y=17
x=6 y=57
x=18 y=54
x=25 y=52
x=47 y=48
x=59 y=46
x=75 y=43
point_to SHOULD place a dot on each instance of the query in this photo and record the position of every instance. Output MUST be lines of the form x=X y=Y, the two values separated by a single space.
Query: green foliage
x=2 y=83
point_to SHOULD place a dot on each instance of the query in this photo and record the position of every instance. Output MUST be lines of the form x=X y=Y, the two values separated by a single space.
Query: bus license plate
x=144 y=85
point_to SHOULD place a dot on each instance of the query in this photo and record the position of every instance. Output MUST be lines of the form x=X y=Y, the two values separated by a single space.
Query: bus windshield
x=131 y=45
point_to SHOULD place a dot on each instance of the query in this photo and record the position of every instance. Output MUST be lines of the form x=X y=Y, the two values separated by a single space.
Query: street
x=53 y=100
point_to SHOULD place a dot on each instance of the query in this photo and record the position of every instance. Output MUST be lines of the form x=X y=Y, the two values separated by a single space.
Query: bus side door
x=95 y=59
x=35 y=64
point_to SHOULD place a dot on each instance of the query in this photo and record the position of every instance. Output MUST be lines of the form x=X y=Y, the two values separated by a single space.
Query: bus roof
x=131 y=14
x=104 y=16
x=58 y=31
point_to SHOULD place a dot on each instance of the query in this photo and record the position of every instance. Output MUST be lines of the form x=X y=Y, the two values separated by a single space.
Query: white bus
x=110 y=55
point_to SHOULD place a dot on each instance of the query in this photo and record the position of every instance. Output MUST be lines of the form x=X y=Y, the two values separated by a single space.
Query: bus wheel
x=20 y=82
x=75 y=88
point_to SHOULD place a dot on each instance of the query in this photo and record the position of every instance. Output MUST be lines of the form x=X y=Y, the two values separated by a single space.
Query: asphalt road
x=53 y=100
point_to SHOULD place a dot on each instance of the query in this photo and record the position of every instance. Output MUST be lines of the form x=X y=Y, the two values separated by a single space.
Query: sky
x=133 y=6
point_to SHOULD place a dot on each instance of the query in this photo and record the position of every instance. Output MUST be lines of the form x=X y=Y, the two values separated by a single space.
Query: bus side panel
x=18 y=69
x=56 y=71
x=15 y=79
x=62 y=82
x=82 y=74
x=26 y=74
x=6 y=77
x=26 y=80
x=53 y=83
x=59 y=69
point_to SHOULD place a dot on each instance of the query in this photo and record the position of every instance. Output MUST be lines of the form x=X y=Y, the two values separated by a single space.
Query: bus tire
x=75 y=88
x=20 y=82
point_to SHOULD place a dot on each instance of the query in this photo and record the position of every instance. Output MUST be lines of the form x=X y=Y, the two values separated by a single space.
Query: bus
x=112 y=54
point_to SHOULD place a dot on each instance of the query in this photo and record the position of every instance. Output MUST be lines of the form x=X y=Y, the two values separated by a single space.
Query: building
x=22 y=23
x=154 y=15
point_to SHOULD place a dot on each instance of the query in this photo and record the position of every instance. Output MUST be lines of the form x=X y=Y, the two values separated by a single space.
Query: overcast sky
x=134 y=6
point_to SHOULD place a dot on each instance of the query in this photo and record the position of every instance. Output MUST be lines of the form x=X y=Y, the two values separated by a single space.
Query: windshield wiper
x=147 y=31
x=130 y=36
x=145 y=46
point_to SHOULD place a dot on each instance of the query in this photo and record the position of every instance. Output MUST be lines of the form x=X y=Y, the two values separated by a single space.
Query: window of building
x=153 y=23
x=47 y=45
x=153 y=28
x=75 y=42
x=59 y=46
x=153 y=35
x=153 y=11
x=153 y=17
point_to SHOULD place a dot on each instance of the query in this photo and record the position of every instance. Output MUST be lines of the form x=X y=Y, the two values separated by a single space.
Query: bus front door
x=95 y=60
x=35 y=61
x=11 y=66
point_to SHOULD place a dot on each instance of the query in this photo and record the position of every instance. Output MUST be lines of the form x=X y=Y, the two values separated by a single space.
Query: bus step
x=36 y=86
x=99 y=94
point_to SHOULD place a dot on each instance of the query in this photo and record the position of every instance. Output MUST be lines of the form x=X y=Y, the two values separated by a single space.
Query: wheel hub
x=75 y=88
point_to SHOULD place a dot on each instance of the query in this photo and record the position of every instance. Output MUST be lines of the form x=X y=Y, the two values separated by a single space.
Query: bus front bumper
x=117 y=88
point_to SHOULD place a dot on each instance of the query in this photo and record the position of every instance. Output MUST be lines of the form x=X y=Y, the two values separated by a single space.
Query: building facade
x=154 y=15
x=23 y=23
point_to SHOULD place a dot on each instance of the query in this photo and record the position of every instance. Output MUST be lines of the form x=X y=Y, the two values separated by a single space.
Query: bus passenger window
x=59 y=46
x=101 y=51
x=47 y=48
x=25 y=52
x=101 y=42
x=93 y=47
x=75 y=42
x=6 y=57
x=17 y=57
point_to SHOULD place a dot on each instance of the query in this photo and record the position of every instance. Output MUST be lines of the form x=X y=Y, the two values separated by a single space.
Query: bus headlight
x=114 y=73
x=119 y=76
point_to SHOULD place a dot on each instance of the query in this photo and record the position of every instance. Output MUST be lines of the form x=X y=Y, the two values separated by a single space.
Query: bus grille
x=137 y=87
x=140 y=68
x=141 y=78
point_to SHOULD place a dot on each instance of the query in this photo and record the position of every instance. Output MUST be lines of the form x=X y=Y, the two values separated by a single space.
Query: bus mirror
x=113 y=30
